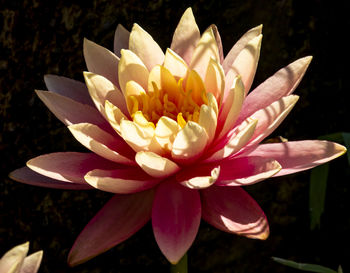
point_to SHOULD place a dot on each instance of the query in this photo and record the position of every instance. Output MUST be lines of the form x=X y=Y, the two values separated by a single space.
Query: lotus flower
x=17 y=261
x=174 y=136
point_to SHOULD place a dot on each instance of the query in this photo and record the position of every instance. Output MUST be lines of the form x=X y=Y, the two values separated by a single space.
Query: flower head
x=16 y=260
x=174 y=135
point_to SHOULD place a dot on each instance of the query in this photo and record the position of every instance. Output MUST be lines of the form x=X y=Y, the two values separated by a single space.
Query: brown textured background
x=39 y=37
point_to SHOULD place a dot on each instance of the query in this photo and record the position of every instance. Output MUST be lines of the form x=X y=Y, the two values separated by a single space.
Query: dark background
x=39 y=37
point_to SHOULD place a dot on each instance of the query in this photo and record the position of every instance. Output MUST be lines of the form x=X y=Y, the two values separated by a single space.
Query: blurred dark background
x=39 y=37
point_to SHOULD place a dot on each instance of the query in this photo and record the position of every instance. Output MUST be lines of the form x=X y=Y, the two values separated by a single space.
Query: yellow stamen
x=180 y=120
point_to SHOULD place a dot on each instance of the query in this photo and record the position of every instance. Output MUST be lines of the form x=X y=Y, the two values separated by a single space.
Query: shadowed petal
x=31 y=263
x=186 y=36
x=233 y=210
x=175 y=64
x=121 y=39
x=218 y=42
x=69 y=88
x=27 y=176
x=198 y=177
x=12 y=260
x=296 y=156
x=127 y=180
x=118 y=220
x=100 y=60
x=282 y=83
x=176 y=217
x=68 y=166
x=143 y=45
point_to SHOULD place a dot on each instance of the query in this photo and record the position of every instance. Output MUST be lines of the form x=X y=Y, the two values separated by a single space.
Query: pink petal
x=246 y=170
x=233 y=210
x=176 y=217
x=70 y=88
x=68 y=166
x=127 y=180
x=121 y=39
x=282 y=83
x=27 y=176
x=296 y=156
x=71 y=112
x=100 y=60
x=32 y=263
x=186 y=36
x=118 y=220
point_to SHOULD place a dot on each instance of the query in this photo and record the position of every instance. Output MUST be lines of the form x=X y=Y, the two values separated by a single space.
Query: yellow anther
x=180 y=120
x=195 y=116
x=140 y=119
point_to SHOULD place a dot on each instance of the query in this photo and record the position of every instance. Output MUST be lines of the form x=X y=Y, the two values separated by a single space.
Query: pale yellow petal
x=133 y=89
x=195 y=84
x=166 y=131
x=175 y=64
x=114 y=116
x=214 y=80
x=201 y=182
x=208 y=120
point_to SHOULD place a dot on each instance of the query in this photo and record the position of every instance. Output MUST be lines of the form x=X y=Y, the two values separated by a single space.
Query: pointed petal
x=68 y=166
x=208 y=120
x=12 y=260
x=118 y=220
x=100 y=60
x=246 y=62
x=32 y=263
x=114 y=116
x=239 y=138
x=143 y=45
x=131 y=68
x=231 y=108
x=239 y=46
x=231 y=209
x=186 y=36
x=176 y=217
x=272 y=116
x=218 y=42
x=121 y=39
x=246 y=171
x=102 y=143
x=214 y=81
x=206 y=49
x=189 y=143
x=70 y=88
x=69 y=111
x=101 y=89
x=282 y=83
x=127 y=180
x=27 y=176
x=195 y=84
x=296 y=156
x=198 y=177
x=175 y=64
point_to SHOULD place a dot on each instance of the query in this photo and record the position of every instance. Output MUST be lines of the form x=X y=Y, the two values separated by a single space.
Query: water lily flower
x=16 y=260
x=174 y=136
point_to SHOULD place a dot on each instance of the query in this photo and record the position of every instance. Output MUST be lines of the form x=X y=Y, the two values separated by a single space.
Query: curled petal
x=100 y=60
x=186 y=36
x=198 y=177
x=68 y=166
x=176 y=217
x=296 y=156
x=143 y=45
x=121 y=39
x=118 y=220
x=166 y=131
x=231 y=209
x=114 y=116
x=127 y=180
x=70 y=88
x=27 y=176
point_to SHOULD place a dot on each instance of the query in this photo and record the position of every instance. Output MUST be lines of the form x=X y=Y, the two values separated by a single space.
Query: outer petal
x=119 y=219
x=27 y=176
x=100 y=60
x=246 y=171
x=218 y=42
x=127 y=180
x=239 y=46
x=186 y=36
x=69 y=88
x=32 y=263
x=69 y=111
x=176 y=217
x=102 y=143
x=296 y=156
x=156 y=165
x=282 y=83
x=68 y=166
x=231 y=209
x=121 y=39
x=12 y=260
x=143 y=45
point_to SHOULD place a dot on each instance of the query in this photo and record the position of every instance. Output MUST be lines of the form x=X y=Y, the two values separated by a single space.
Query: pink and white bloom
x=16 y=260
x=174 y=136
